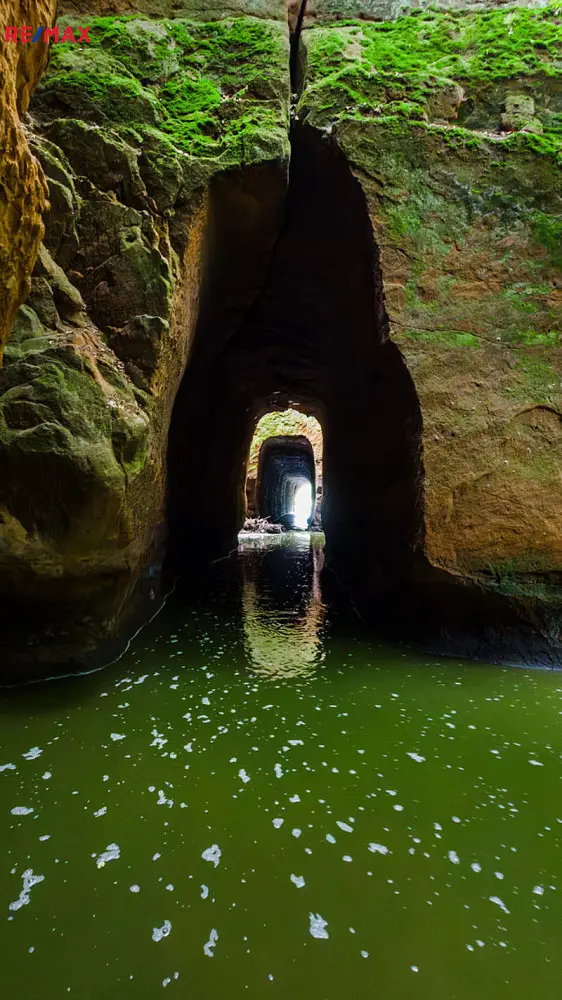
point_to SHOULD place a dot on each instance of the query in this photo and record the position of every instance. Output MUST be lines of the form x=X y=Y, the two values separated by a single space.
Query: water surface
x=258 y=800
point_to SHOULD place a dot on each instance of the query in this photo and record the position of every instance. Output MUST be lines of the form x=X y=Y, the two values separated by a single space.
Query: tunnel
x=286 y=483
x=301 y=323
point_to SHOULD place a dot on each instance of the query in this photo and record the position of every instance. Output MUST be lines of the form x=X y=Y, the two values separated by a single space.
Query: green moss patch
x=443 y=67
x=217 y=91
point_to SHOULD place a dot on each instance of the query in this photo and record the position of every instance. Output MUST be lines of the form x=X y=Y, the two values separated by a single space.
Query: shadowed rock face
x=326 y=11
x=404 y=275
x=22 y=186
x=203 y=10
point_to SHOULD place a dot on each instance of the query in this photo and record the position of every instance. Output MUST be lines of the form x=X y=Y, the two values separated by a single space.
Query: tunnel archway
x=286 y=477
x=314 y=337
x=304 y=434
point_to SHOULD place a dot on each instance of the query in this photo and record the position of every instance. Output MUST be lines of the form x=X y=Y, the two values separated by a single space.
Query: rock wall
x=452 y=124
x=203 y=10
x=130 y=131
x=326 y=11
x=22 y=187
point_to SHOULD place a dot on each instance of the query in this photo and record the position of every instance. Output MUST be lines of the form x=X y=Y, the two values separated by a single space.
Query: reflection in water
x=375 y=824
x=283 y=610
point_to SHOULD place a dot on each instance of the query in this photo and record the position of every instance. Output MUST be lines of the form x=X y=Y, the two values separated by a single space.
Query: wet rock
x=262 y=526
x=520 y=114
x=67 y=298
x=108 y=162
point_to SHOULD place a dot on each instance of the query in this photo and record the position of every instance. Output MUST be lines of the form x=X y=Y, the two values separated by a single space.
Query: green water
x=258 y=801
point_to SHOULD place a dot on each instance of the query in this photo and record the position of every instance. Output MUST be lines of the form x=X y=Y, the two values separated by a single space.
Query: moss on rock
x=216 y=90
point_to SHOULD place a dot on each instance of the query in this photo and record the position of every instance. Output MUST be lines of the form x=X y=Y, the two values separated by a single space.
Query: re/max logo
x=27 y=34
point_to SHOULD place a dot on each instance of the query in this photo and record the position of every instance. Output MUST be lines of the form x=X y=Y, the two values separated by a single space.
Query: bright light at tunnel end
x=303 y=506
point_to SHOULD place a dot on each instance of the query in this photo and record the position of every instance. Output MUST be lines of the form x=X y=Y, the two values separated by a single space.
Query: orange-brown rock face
x=22 y=187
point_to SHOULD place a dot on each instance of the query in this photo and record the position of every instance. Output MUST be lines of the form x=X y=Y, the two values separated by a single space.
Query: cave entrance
x=284 y=472
x=293 y=316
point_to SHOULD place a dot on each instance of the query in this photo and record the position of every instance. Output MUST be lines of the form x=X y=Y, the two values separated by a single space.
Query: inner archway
x=286 y=481
x=284 y=471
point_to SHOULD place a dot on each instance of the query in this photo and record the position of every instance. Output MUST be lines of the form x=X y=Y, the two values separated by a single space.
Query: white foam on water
x=294 y=798
x=416 y=756
x=32 y=754
x=21 y=811
x=134 y=888
x=278 y=771
x=539 y=890
x=163 y=801
x=278 y=822
x=46 y=836
x=209 y=947
x=476 y=867
x=243 y=775
x=298 y=880
x=378 y=849
x=204 y=891
x=499 y=902
x=161 y=932
x=296 y=832
x=318 y=926
x=29 y=880
x=117 y=736
x=8 y=767
x=111 y=853
x=454 y=858
x=212 y=854
x=100 y=812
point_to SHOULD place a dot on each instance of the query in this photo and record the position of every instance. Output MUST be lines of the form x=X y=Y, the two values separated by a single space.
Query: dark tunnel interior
x=286 y=478
x=299 y=321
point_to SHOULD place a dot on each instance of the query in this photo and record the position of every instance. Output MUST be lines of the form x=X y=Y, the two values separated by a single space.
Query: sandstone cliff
x=452 y=124
x=22 y=187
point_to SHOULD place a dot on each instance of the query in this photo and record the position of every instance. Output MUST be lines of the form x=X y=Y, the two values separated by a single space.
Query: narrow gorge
x=280 y=499
x=374 y=242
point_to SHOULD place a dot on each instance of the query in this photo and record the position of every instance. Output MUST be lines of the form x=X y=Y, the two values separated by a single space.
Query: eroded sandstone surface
x=22 y=186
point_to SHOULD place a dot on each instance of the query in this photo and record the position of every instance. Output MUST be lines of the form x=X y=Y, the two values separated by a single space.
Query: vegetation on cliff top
x=217 y=90
x=455 y=121
x=442 y=67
